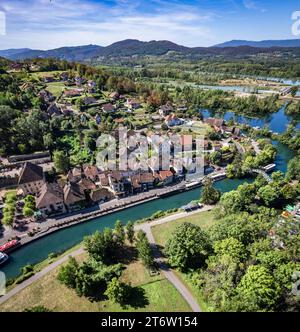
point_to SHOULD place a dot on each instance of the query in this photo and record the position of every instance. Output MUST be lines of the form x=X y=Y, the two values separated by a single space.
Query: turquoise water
x=38 y=250
x=277 y=122
x=66 y=238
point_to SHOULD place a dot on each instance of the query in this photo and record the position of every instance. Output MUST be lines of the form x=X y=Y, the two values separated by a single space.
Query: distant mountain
x=13 y=51
x=262 y=43
x=130 y=47
x=133 y=47
x=75 y=53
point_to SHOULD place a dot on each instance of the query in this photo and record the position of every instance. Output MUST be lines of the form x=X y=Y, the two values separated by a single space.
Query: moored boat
x=9 y=246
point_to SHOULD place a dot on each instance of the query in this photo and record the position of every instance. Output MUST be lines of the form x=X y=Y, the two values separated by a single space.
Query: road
x=39 y=275
x=146 y=227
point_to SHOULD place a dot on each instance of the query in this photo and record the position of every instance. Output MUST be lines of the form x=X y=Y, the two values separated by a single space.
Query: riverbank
x=53 y=225
x=78 y=251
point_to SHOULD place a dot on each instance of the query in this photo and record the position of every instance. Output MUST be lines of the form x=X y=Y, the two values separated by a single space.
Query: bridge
x=263 y=173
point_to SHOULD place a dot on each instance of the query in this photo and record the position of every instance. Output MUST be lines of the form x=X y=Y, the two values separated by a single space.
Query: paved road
x=146 y=227
x=169 y=274
x=39 y=275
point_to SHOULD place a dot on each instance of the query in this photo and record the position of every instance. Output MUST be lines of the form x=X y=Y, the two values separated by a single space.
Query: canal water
x=66 y=238
x=39 y=250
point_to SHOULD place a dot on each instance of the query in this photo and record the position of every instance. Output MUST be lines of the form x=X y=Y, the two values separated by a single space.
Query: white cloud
x=253 y=5
x=44 y=24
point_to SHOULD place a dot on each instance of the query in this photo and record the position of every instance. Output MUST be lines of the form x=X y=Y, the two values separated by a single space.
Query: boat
x=9 y=246
x=3 y=258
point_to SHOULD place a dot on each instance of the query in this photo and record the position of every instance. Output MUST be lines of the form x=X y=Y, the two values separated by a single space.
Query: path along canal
x=39 y=250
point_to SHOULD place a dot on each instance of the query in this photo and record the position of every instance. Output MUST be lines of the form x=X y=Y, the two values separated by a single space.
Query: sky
x=47 y=24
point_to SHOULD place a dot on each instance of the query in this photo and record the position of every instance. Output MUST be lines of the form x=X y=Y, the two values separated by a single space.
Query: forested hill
x=262 y=43
x=132 y=47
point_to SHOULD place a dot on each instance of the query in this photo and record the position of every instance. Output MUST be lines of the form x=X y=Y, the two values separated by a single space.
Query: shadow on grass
x=136 y=298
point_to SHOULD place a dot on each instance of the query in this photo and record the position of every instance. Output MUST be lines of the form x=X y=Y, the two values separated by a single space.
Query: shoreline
x=80 y=218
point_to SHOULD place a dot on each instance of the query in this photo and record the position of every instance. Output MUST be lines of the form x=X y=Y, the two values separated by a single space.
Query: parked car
x=3 y=258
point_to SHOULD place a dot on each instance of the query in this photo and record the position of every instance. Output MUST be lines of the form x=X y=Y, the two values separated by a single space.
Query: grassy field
x=55 y=88
x=150 y=294
x=162 y=232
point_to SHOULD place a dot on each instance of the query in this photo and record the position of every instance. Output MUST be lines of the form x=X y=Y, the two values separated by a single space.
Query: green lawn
x=55 y=88
x=162 y=232
x=151 y=294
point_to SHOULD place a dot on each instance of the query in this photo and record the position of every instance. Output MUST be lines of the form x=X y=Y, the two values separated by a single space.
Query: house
x=166 y=177
x=236 y=131
x=91 y=172
x=89 y=101
x=15 y=67
x=50 y=199
x=147 y=180
x=132 y=104
x=116 y=182
x=53 y=110
x=31 y=178
x=166 y=109
x=91 y=86
x=186 y=142
x=215 y=122
x=48 y=79
x=86 y=185
x=75 y=174
x=46 y=96
x=66 y=110
x=172 y=120
x=103 y=179
x=73 y=195
x=114 y=96
x=108 y=108
x=79 y=80
x=64 y=76
x=101 y=195
x=135 y=183
x=72 y=93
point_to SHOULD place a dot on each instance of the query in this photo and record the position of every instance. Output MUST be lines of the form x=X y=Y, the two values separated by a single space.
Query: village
x=33 y=191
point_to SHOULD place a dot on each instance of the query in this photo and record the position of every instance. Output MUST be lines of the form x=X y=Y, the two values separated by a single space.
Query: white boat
x=3 y=258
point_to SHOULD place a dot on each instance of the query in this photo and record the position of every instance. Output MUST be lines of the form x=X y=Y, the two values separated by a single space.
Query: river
x=39 y=250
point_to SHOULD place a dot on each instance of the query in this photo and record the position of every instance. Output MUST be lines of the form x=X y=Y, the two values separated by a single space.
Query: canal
x=39 y=250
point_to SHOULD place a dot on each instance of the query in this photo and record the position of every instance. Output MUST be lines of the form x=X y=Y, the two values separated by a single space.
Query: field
x=150 y=294
x=162 y=232
x=56 y=88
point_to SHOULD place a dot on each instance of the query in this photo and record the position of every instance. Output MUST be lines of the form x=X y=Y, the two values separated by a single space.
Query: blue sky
x=45 y=24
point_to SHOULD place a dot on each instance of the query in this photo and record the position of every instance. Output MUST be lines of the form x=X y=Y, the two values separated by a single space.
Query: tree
x=268 y=194
x=101 y=246
x=61 y=162
x=258 y=290
x=232 y=247
x=293 y=171
x=67 y=273
x=119 y=233
x=188 y=246
x=130 y=231
x=116 y=291
x=215 y=157
x=144 y=249
x=209 y=194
